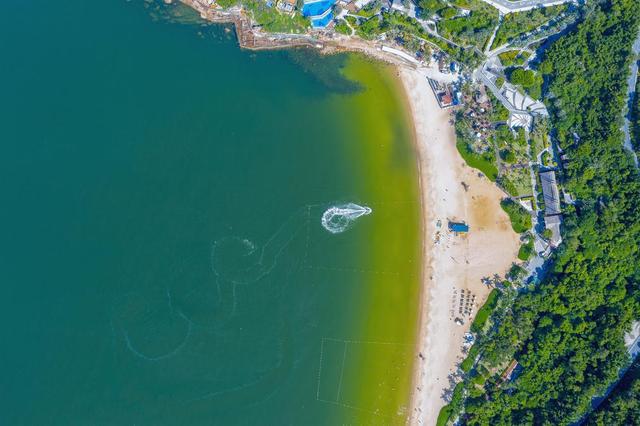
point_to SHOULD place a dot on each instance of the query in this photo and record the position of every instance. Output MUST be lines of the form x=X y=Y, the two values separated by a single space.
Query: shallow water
x=163 y=256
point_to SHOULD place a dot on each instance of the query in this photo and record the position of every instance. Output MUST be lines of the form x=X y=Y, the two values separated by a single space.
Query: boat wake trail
x=337 y=219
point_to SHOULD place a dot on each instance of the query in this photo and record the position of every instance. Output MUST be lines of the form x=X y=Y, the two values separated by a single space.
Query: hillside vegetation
x=567 y=333
x=622 y=407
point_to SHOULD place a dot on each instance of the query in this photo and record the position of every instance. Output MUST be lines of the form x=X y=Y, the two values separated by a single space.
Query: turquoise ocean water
x=162 y=256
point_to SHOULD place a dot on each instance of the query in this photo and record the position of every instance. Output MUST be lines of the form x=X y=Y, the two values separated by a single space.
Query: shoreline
x=425 y=270
x=449 y=190
x=250 y=38
x=247 y=36
x=453 y=265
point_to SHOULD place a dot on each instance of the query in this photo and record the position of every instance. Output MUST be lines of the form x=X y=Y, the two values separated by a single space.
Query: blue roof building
x=459 y=227
x=320 y=12
x=323 y=20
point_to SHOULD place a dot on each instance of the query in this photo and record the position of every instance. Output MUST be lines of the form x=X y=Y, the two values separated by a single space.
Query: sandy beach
x=454 y=265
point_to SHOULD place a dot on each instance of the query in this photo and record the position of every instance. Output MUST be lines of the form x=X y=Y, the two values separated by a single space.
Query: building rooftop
x=552 y=223
x=550 y=192
x=287 y=5
x=520 y=120
x=458 y=227
x=446 y=99
x=506 y=374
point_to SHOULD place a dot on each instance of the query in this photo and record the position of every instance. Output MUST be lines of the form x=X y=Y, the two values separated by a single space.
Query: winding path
x=631 y=94
x=506 y=6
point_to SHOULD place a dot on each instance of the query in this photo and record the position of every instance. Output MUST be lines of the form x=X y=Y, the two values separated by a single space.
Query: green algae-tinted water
x=162 y=257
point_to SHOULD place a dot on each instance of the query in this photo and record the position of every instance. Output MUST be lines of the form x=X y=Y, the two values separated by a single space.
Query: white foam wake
x=337 y=219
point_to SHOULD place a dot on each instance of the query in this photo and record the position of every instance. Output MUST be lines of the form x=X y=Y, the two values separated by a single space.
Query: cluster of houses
x=285 y=6
x=447 y=94
x=444 y=93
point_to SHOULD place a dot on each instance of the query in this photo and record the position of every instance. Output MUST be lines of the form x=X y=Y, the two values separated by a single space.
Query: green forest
x=567 y=332
x=622 y=406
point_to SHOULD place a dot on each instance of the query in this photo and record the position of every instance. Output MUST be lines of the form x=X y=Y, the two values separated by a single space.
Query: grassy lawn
x=516 y=144
x=514 y=174
x=470 y=359
x=227 y=3
x=275 y=22
x=428 y=8
x=370 y=9
x=342 y=27
x=520 y=218
x=529 y=80
x=485 y=311
x=443 y=416
x=513 y=58
x=371 y=28
x=483 y=162
x=499 y=112
x=539 y=138
x=526 y=250
x=447 y=410
x=516 y=181
x=474 y=145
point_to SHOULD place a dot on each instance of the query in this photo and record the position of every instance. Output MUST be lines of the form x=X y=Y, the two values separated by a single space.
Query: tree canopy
x=567 y=332
x=622 y=407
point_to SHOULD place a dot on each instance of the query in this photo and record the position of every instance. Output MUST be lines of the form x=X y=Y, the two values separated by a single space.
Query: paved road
x=524 y=40
x=506 y=6
x=634 y=349
x=633 y=352
x=496 y=92
x=631 y=90
x=493 y=36
x=482 y=74
x=484 y=77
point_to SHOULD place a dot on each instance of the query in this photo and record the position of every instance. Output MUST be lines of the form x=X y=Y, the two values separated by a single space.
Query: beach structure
x=523 y=102
x=320 y=12
x=443 y=93
x=443 y=67
x=401 y=54
x=445 y=100
x=458 y=227
x=520 y=119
